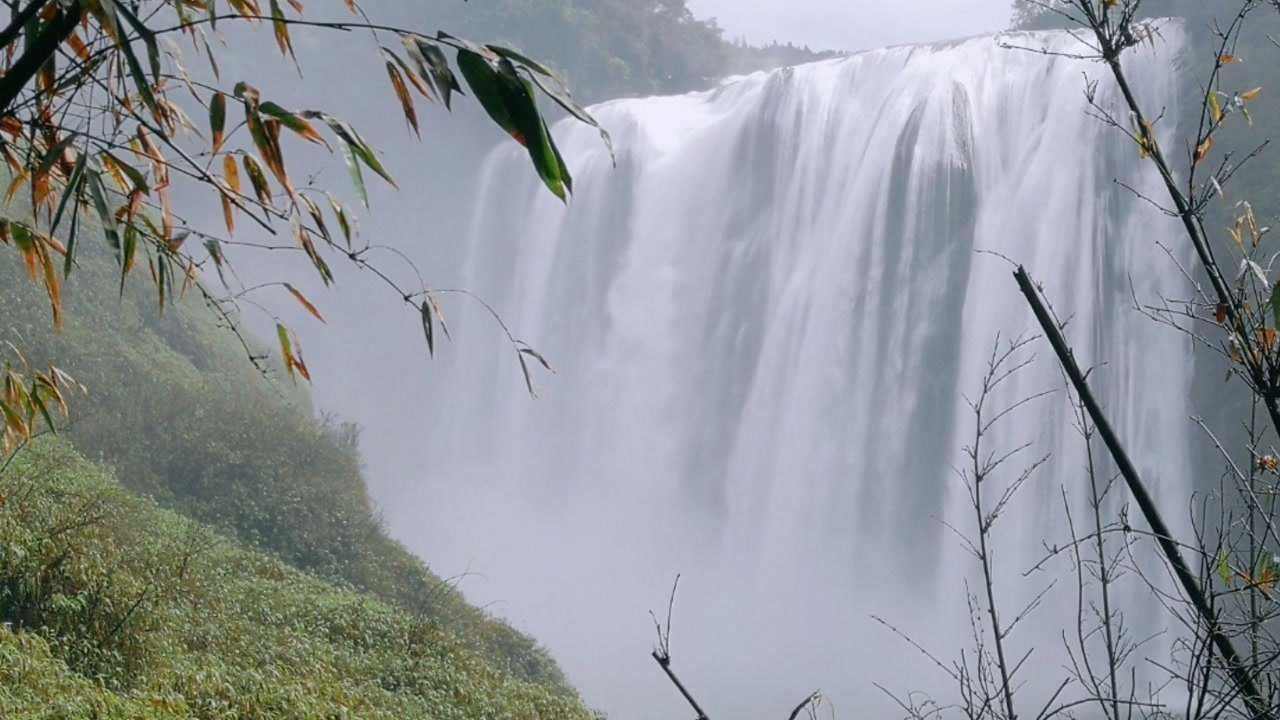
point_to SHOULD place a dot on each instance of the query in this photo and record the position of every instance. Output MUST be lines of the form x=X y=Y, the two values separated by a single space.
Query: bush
x=115 y=607
x=176 y=408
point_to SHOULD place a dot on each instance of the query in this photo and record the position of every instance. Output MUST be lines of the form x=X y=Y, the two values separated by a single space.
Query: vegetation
x=96 y=104
x=1216 y=588
x=95 y=112
x=175 y=409
x=114 y=608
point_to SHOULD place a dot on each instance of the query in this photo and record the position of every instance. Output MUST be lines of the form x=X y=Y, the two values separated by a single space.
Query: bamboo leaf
x=509 y=99
x=286 y=348
x=93 y=179
x=302 y=300
x=428 y=327
x=281 y=29
x=128 y=254
x=536 y=356
x=111 y=9
x=343 y=221
x=218 y=119
x=402 y=94
x=294 y=122
x=357 y=175
x=359 y=148
x=433 y=67
x=257 y=179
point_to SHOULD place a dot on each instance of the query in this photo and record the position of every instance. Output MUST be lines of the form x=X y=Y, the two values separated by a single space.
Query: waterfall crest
x=763 y=322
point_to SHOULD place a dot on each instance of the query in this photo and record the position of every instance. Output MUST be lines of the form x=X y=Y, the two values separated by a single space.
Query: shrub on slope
x=114 y=607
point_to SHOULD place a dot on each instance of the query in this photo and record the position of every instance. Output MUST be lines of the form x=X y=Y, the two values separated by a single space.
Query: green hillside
x=115 y=608
x=176 y=409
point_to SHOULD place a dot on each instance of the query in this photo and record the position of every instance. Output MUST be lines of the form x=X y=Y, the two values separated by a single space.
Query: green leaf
x=486 y=85
x=93 y=178
x=357 y=175
x=214 y=248
x=75 y=184
x=293 y=121
x=127 y=254
x=509 y=99
x=38 y=402
x=561 y=96
x=433 y=67
x=355 y=150
x=1275 y=304
x=257 y=178
x=218 y=119
x=318 y=218
x=286 y=348
x=144 y=32
x=343 y=221
x=281 y=29
x=428 y=327
x=1224 y=569
x=113 y=7
x=522 y=59
x=135 y=175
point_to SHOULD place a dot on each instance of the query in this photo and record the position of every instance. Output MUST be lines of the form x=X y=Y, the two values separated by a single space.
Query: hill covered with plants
x=174 y=407
x=114 y=608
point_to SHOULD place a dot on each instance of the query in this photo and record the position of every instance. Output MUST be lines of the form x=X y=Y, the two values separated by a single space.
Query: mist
x=758 y=369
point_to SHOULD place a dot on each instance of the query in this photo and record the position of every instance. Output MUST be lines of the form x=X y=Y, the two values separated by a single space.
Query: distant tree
x=1033 y=14
x=101 y=121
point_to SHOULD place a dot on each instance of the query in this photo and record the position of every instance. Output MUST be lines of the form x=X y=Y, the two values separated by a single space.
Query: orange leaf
x=1202 y=151
x=402 y=94
x=304 y=302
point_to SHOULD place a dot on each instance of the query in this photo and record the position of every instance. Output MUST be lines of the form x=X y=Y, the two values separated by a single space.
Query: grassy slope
x=116 y=608
x=176 y=409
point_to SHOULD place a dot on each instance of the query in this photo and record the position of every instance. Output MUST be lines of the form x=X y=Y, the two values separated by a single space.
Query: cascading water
x=763 y=321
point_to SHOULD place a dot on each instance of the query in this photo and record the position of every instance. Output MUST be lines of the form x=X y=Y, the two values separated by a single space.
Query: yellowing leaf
x=402 y=94
x=304 y=302
x=218 y=119
x=232 y=172
x=1267 y=338
x=1251 y=95
x=78 y=47
x=286 y=347
x=1215 y=108
x=1202 y=151
x=281 y=30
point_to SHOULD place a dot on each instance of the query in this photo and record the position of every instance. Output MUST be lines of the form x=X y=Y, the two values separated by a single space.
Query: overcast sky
x=854 y=24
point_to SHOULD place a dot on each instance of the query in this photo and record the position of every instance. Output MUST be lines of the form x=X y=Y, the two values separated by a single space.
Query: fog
x=756 y=343
x=854 y=24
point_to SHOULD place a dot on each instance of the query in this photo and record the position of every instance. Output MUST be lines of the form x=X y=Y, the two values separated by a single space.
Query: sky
x=854 y=24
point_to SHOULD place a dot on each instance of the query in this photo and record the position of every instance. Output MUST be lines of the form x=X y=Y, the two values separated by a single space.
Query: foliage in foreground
x=116 y=608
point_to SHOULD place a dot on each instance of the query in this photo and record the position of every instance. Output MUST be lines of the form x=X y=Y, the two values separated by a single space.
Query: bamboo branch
x=664 y=662
x=813 y=698
x=38 y=53
x=1239 y=675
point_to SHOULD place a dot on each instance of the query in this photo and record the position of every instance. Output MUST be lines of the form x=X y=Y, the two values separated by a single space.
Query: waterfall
x=763 y=323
